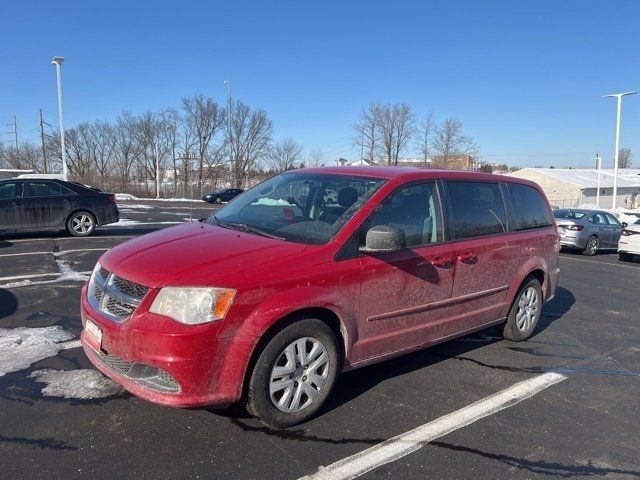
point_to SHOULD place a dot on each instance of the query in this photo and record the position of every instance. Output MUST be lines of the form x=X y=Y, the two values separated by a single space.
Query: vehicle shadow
x=8 y=303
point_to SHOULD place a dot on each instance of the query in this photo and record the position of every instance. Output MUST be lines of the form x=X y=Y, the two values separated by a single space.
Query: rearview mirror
x=384 y=239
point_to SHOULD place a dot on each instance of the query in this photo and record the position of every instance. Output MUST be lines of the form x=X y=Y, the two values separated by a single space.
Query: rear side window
x=10 y=190
x=476 y=209
x=528 y=208
x=42 y=189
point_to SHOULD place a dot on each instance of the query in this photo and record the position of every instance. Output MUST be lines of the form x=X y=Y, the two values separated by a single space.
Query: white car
x=629 y=243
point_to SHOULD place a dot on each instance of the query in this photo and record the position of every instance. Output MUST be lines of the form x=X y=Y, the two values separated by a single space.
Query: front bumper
x=165 y=362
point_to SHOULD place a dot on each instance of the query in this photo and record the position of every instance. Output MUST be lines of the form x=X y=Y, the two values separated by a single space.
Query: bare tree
x=624 y=158
x=250 y=139
x=427 y=126
x=367 y=132
x=450 y=143
x=284 y=155
x=396 y=127
x=315 y=158
x=205 y=118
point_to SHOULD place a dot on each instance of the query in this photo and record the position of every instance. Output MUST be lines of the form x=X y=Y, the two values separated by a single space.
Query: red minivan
x=314 y=272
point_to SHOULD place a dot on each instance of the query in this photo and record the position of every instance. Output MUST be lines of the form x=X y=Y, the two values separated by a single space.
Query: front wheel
x=591 y=248
x=525 y=312
x=81 y=224
x=294 y=374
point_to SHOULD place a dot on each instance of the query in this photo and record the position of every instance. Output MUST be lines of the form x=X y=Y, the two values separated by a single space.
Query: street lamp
x=615 y=156
x=57 y=61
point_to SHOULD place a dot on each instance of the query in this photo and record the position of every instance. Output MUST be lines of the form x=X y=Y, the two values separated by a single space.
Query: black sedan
x=35 y=204
x=224 y=195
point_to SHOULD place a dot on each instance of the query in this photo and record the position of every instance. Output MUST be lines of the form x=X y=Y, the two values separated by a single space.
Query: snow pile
x=82 y=384
x=128 y=196
x=125 y=196
x=20 y=347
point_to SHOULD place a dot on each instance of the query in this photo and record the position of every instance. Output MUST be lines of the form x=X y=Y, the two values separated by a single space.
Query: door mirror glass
x=384 y=239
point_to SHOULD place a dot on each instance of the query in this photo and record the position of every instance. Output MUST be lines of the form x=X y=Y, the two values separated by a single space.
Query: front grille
x=116 y=297
x=146 y=375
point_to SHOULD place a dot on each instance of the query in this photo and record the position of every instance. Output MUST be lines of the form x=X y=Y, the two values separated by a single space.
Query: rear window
x=477 y=209
x=568 y=214
x=528 y=208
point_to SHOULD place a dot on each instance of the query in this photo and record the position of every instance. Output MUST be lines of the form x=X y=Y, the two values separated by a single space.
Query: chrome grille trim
x=115 y=297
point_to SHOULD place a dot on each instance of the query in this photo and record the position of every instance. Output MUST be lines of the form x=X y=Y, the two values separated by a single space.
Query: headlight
x=193 y=305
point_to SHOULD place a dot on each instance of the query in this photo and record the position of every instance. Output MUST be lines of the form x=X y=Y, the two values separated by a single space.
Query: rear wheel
x=591 y=248
x=294 y=374
x=525 y=312
x=81 y=224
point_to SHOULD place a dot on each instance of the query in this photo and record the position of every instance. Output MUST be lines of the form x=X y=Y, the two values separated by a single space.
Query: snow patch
x=125 y=196
x=22 y=346
x=83 y=384
x=68 y=273
x=127 y=222
x=137 y=207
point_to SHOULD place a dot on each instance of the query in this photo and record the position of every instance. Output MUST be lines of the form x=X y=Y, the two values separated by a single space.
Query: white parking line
x=38 y=275
x=598 y=263
x=406 y=443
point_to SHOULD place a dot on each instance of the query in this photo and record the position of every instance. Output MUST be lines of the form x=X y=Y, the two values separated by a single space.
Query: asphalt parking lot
x=60 y=419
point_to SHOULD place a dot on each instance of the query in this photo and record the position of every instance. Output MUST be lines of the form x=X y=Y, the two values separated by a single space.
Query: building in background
x=6 y=173
x=572 y=187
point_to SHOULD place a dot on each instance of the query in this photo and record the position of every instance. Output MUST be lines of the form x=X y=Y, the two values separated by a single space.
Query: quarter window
x=476 y=209
x=528 y=208
x=412 y=209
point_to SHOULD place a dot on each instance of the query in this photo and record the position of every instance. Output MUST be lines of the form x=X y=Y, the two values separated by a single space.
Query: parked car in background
x=629 y=243
x=33 y=204
x=587 y=230
x=225 y=195
x=270 y=298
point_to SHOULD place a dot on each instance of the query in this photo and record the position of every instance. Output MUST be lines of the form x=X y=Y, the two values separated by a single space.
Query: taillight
x=575 y=228
x=112 y=198
x=628 y=233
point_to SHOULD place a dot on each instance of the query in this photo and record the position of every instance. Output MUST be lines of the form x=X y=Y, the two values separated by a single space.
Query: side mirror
x=625 y=224
x=384 y=239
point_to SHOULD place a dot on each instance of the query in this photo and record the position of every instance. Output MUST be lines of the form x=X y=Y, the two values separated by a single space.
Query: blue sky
x=524 y=78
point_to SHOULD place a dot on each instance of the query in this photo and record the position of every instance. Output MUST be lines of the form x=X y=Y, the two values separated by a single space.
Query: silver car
x=587 y=230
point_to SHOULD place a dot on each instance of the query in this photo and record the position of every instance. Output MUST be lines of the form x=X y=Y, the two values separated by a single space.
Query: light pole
x=615 y=156
x=231 y=169
x=57 y=61
x=598 y=164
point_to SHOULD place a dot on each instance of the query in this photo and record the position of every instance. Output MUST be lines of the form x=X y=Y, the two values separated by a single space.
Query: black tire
x=514 y=328
x=591 y=248
x=259 y=400
x=81 y=224
x=218 y=200
x=625 y=257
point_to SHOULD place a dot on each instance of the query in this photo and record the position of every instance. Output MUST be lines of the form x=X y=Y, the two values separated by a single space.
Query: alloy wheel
x=82 y=223
x=528 y=306
x=299 y=374
x=592 y=246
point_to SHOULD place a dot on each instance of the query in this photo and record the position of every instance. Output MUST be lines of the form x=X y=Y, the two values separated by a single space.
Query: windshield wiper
x=247 y=228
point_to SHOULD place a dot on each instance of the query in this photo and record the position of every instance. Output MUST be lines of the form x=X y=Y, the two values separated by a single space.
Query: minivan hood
x=192 y=254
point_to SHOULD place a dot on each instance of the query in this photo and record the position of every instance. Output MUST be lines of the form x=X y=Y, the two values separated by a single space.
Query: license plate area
x=93 y=335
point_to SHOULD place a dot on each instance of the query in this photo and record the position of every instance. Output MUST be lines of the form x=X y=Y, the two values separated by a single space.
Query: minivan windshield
x=300 y=207
x=568 y=214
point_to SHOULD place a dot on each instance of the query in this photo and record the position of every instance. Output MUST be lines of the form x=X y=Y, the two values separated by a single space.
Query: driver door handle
x=442 y=262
